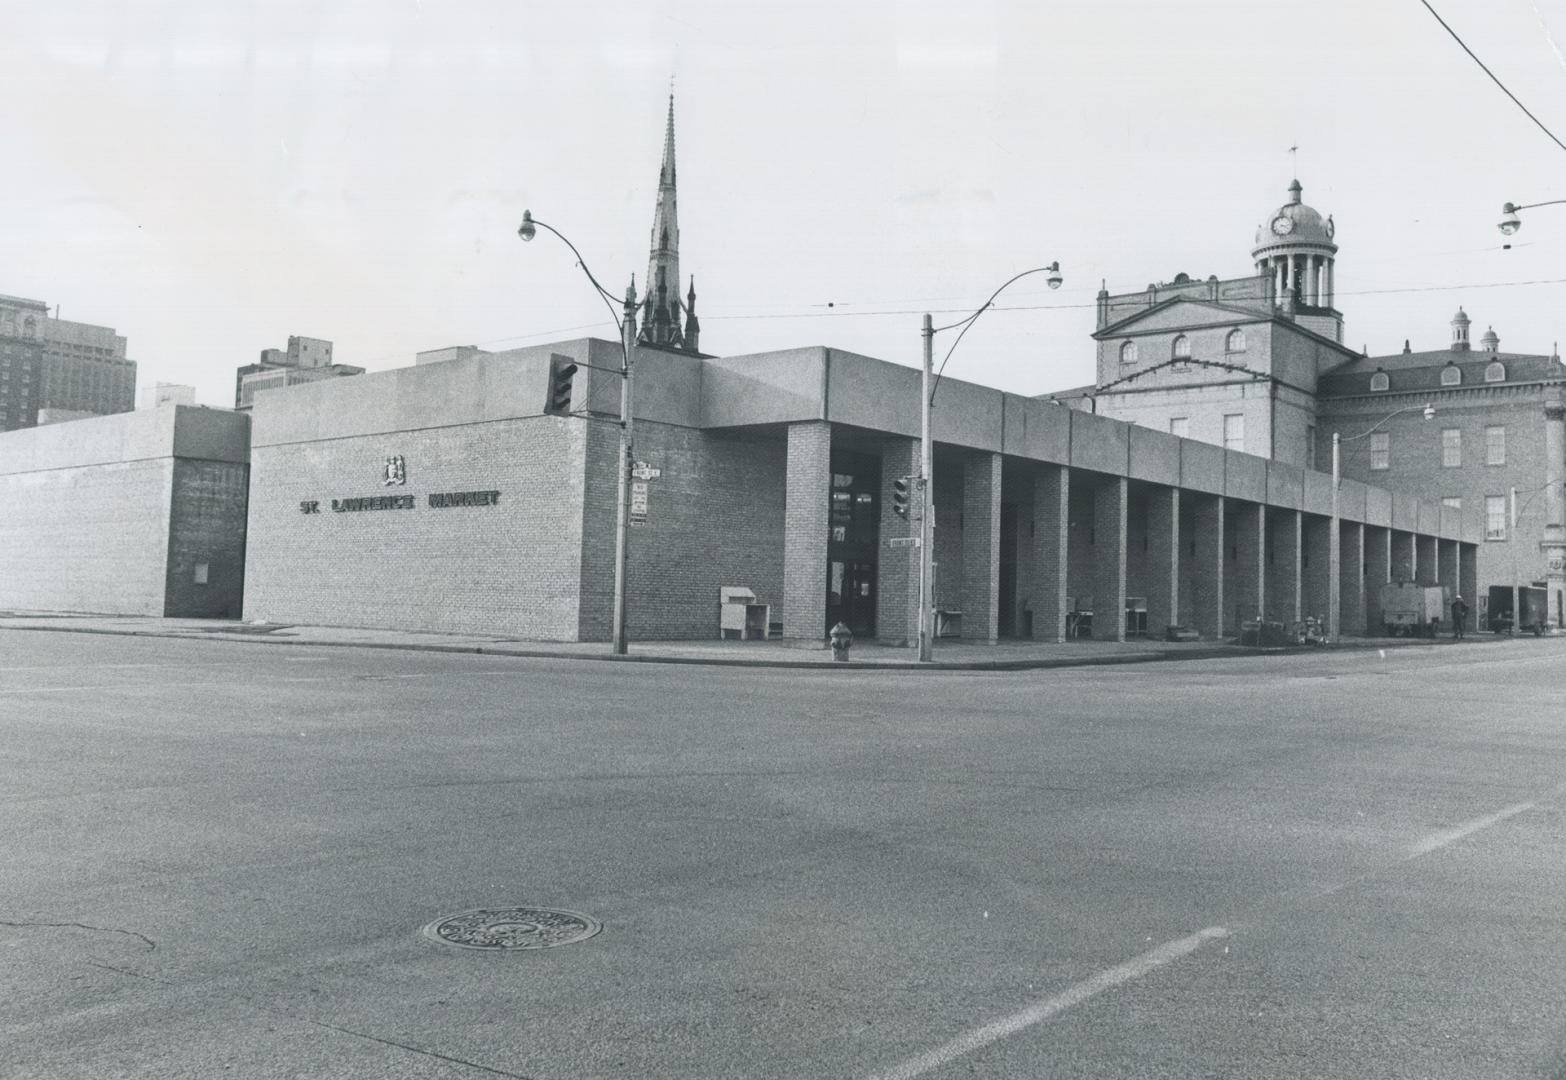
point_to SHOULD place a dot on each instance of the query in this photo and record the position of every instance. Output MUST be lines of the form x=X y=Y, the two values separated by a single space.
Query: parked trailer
x=1414 y=610
x=1535 y=609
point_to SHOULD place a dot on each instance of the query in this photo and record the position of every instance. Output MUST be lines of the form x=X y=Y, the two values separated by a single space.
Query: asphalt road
x=217 y=860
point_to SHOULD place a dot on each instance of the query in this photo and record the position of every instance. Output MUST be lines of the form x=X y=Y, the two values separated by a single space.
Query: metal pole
x=927 y=505
x=622 y=518
x=1335 y=553
x=1511 y=542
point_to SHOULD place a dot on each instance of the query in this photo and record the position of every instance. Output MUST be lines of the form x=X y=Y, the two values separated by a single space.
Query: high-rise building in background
x=66 y=369
x=305 y=360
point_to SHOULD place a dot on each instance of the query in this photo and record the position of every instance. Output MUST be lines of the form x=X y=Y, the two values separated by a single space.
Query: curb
x=1215 y=652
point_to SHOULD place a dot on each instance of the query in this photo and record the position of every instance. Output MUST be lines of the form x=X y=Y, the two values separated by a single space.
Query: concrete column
x=1468 y=582
x=1249 y=579
x=1378 y=571
x=897 y=569
x=1315 y=567
x=1163 y=560
x=981 y=507
x=1402 y=555
x=1331 y=286
x=1554 y=541
x=1426 y=569
x=1051 y=534
x=1211 y=560
x=1110 y=505
x=1351 y=577
x=1285 y=529
x=1312 y=268
x=806 y=504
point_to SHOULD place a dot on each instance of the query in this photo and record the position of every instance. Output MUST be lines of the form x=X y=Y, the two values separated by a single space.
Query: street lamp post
x=626 y=322
x=1334 y=539
x=926 y=478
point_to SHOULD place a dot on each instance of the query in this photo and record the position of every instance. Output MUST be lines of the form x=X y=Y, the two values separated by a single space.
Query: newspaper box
x=740 y=616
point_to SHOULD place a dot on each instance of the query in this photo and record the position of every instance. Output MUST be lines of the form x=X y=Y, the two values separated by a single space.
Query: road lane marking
x=1437 y=840
x=1047 y=1008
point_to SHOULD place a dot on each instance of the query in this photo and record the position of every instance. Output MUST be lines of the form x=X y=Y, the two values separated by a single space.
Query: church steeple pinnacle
x=662 y=308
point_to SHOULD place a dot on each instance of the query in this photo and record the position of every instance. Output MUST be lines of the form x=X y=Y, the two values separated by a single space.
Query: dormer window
x=1235 y=342
x=1495 y=371
x=1128 y=352
x=1451 y=375
x=1379 y=382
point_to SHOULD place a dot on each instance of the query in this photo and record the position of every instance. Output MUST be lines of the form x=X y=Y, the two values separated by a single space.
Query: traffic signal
x=561 y=372
x=900 y=496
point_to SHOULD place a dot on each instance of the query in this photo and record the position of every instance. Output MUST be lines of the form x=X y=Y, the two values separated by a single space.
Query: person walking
x=1459 y=618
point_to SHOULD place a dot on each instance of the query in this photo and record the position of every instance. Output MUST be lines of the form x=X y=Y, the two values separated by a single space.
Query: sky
x=209 y=178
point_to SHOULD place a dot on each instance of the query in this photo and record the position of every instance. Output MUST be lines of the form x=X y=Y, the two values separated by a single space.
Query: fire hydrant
x=842 y=640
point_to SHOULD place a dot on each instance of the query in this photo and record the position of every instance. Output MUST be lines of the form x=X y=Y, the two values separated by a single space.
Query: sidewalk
x=950 y=655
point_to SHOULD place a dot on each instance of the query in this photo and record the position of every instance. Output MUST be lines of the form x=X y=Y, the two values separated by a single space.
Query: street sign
x=903 y=542
x=643 y=471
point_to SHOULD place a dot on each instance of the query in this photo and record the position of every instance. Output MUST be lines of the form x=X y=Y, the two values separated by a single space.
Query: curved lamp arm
x=1053 y=270
x=1429 y=415
x=527 y=231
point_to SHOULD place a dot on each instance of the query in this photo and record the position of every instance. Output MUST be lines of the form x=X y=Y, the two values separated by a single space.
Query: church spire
x=662 y=308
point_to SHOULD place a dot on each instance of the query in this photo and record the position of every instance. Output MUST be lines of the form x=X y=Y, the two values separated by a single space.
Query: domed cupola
x=1295 y=245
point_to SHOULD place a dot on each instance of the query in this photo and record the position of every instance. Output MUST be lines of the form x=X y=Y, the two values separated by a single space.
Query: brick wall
x=511 y=569
x=207 y=528
x=714 y=518
x=87 y=538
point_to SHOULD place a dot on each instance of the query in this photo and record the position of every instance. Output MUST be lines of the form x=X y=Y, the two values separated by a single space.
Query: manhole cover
x=512 y=928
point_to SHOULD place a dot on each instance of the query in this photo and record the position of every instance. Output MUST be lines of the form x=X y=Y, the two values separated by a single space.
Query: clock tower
x=1294 y=246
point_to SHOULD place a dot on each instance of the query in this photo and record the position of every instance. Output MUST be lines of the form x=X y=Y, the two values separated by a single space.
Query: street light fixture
x=1510 y=221
x=626 y=322
x=926 y=457
x=1334 y=540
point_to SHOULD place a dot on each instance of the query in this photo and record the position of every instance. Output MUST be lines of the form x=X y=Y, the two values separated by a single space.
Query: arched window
x=1379 y=381
x=1495 y=371
x=1128 y=352
x=1451 y=375
x=1235 y=341
x=1181 y=349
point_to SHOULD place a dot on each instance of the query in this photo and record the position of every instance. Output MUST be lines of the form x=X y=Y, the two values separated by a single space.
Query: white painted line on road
x=1441 y=839
x=1050 y=1007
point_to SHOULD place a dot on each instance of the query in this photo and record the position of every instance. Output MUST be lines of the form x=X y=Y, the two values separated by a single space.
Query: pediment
x=1180 y=313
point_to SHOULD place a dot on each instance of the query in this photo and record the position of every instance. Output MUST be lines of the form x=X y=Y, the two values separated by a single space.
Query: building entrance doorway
x=854 y=518
x=851 y=596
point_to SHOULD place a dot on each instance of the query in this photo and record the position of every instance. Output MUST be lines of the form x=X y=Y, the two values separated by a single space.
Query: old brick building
x=1258 y=364
x=58 y=366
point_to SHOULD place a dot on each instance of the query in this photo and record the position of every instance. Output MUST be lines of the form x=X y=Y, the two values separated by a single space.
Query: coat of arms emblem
x=396 y=472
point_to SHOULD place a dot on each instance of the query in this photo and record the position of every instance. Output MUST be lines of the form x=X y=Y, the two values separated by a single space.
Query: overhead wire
x=1493 y=76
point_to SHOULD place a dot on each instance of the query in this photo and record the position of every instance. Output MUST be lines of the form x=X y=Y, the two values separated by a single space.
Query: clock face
x=1282 y=226
x=1331 y=229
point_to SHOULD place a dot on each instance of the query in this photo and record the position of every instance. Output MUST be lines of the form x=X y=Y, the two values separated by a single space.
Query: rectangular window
x=1181 y=426
x=1453 y=501
x=1310 y=446
x=1234 y=431
x=1495 y=517
x=1380 y=450
x=1451 y=447
x=1495 y=445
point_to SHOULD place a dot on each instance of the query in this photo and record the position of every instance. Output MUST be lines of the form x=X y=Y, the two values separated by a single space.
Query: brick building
x=305 y=360
x=139 y=513
x=1258 y=364
x=445 y=496
x=68 y=368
